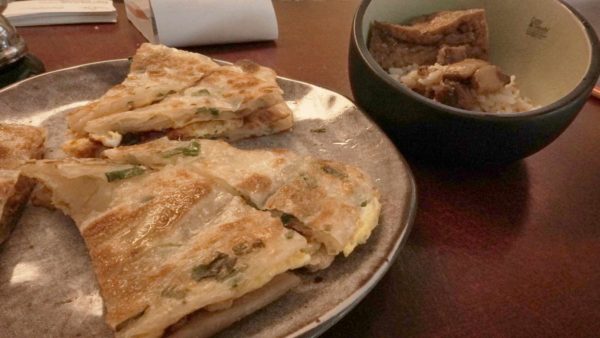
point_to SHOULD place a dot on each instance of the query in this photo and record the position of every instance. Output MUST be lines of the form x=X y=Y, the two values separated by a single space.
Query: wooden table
x=508 y=251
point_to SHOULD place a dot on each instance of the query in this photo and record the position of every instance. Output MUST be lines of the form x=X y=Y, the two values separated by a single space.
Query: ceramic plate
x=47 y=286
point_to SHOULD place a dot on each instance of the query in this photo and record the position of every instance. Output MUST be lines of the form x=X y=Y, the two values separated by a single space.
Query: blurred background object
x=58 y=12
x=15 y=63
x=203 y=22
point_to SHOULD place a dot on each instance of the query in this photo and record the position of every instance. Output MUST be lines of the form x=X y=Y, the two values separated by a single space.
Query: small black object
x=27 y=66
x=15 y=63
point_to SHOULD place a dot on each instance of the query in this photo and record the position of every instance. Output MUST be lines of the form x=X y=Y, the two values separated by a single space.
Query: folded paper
x=203 y=22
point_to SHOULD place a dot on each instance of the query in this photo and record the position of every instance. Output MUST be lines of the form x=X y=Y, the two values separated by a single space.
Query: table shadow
x=479 y=210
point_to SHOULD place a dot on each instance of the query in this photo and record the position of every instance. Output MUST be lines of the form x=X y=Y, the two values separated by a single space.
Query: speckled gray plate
x=47 y=286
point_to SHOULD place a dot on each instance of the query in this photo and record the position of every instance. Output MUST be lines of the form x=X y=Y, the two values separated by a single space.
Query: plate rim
x=325 y=321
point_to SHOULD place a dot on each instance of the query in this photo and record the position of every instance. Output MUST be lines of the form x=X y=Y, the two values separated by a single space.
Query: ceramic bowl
x=550 y=48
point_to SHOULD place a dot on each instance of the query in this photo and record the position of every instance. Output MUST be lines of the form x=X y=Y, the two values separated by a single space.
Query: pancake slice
x=255 y=174
x=228 y=92
x=266 y=121
x=17 y=143
x=184 y=95
x=14 y=192
x=166 y=243
x=333 y=204
x=336 y=204
x=207 y=323
x=156 y=71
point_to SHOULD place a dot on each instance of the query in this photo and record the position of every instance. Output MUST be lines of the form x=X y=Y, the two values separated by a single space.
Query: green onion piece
x=205 y=110
x=241 y=249
x=258 y=244
x=174 y=292
x=244 y=248
x=286 y=218
x=192 y=149
x=125 y=173
x=235 y=282
x=363 y=204
x=318 y=130
x=221 y=267
x=333 y=172
x=310 y=181
x=201 y=92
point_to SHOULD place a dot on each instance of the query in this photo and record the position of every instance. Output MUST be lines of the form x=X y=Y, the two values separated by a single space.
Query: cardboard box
x=139 y=12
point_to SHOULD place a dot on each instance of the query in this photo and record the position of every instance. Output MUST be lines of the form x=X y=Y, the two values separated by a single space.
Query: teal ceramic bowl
x=556 y=64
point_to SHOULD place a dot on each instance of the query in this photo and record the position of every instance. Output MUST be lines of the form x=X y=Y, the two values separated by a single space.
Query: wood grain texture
x=505 y=251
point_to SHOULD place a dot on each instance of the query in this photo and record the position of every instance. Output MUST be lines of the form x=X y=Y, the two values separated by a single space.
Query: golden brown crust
x=255 y=183
x=155 y=59
x=325 y=196
x=113 y=264
x=21 y=142
x=205 y=129
x=166 y=210
x=271 y=120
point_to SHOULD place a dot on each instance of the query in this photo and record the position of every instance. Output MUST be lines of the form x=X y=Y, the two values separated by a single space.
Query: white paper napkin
x=202 y=22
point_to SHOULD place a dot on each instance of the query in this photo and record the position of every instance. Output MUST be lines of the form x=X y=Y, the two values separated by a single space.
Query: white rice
x=506 y=100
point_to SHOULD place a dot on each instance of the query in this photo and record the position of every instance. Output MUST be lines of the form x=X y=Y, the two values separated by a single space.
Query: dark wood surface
x=510 y=251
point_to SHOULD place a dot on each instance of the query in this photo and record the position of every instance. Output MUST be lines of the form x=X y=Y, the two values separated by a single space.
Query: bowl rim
x=587 y=83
